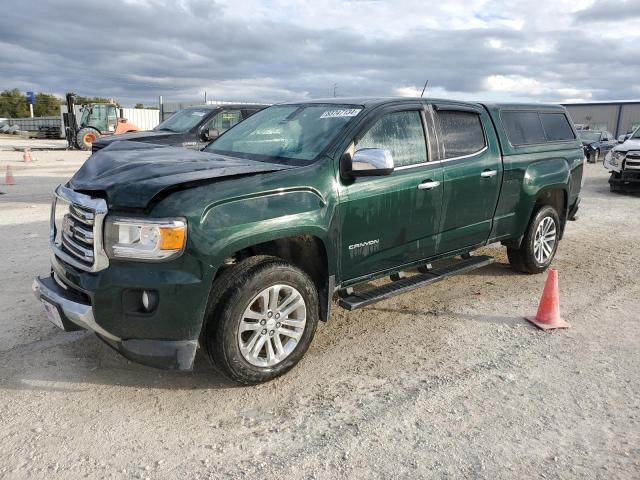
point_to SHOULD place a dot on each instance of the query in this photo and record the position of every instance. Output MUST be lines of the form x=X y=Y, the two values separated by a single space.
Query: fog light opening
x=149 y=300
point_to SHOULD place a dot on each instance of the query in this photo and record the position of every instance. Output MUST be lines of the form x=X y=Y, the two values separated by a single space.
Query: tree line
x=13 y=104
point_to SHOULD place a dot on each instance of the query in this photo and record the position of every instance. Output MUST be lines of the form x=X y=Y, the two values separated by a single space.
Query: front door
x=390 y=221
x=472 y=173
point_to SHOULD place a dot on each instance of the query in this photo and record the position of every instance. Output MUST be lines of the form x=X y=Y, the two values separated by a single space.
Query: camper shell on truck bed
x=242 y=248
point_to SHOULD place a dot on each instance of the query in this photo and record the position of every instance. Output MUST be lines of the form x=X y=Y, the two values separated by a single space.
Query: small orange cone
x=548 y=316
x=8 y=178
x=26 y=156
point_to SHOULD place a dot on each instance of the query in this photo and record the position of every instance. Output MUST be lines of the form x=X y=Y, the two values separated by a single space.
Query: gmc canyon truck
x=240 y=249
x=624 y=164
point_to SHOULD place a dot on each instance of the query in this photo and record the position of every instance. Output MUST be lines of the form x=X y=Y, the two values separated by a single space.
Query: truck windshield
x=589 y=136
x=183 y=120
x=287 y=133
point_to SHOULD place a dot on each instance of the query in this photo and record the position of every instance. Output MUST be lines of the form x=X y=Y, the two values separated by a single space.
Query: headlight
x=150 y=240
x=616 y=158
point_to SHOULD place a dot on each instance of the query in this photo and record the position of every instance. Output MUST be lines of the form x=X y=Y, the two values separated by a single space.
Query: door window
x=402 y=134
x=246 y=113
x=462 y=133
x=112 y=118
x=224 y=120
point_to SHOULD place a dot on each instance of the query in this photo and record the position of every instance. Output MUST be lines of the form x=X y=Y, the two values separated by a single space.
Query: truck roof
x=371 y=101
x=211 y=106
x=523 y=106
x=375 y=101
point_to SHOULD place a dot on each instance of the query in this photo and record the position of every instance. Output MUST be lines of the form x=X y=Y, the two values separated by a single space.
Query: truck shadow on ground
x=496 y=269
x=69 y=362
x=489 y=319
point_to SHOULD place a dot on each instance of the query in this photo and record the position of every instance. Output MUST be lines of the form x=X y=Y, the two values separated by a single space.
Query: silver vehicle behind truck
x=623 y=161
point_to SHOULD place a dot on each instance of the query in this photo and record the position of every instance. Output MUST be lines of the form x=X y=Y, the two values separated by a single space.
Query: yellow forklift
x=96 y=120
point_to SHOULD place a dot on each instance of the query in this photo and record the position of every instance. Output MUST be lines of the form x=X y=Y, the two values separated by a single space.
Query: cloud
x=135 y=50
x=619 y=11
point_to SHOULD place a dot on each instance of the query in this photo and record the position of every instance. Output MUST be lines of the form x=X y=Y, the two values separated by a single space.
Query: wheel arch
x=556 y=196
x=305 y=250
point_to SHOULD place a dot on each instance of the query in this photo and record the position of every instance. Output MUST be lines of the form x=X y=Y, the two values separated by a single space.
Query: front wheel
x=263 y=320
x=539 y=244
x=86 y=137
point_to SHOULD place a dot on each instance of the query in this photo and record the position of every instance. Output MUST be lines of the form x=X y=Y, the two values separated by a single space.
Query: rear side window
x=462 y=133
x=556 y=127
x=531 y=128
x=523 y=128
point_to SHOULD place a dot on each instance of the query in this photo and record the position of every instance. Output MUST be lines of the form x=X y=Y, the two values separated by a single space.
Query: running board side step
x=353 y=301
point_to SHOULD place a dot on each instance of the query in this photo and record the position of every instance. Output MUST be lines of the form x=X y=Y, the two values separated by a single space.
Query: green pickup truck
x=242 y=248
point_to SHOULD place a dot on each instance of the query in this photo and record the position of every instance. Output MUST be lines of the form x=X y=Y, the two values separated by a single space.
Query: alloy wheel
x=272 y=325
x=545 y=240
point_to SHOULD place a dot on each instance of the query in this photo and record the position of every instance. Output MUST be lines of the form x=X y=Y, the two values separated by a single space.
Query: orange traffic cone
x=8 y=178
x=548 y=316
x=26 y=156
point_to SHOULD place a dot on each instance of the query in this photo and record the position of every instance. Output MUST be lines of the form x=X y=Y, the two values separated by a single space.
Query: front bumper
x=77 y=314
x=625 y=180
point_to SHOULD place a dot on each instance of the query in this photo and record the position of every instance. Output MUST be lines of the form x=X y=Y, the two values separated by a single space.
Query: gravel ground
x=445 y=382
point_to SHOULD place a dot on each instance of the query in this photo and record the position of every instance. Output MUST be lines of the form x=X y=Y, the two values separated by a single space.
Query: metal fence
x=32 y=124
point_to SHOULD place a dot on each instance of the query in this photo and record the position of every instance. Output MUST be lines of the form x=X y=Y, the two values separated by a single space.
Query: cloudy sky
x=274 y=50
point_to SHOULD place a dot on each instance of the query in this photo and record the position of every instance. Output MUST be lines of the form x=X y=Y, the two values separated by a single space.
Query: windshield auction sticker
x=345 y=112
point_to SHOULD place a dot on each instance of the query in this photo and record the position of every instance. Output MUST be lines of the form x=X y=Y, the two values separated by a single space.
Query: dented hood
x=131 y=174
x=631 y=144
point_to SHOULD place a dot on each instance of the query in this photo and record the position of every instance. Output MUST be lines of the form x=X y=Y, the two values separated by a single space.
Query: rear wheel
x=263 y=321
x=595 y=156
x=539 y=244
x=86 y=137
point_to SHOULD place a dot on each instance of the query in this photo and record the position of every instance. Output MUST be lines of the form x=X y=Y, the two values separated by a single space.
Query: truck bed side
x=542 y=173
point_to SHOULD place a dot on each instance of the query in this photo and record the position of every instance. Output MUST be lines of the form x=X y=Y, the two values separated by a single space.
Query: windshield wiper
x=165 y=129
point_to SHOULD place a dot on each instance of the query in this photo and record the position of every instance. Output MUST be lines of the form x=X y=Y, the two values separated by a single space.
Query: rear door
x=472 y=175
x=392 y=220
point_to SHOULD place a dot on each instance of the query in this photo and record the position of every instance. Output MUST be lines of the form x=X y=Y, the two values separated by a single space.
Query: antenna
x=424 y=88
x=335 y=88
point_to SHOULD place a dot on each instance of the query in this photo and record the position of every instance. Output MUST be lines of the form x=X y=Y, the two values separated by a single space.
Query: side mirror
x=369 y=162
x=622 y=138
x=210 y=134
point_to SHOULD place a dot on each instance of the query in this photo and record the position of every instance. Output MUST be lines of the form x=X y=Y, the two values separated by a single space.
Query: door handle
x=428 y=185
x=489 y=173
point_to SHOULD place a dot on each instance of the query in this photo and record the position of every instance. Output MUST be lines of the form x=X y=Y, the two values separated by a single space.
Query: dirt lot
x=445 y=382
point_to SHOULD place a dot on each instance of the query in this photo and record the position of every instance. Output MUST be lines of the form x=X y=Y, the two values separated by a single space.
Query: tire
x=236 y=294
x=526 y=258
x=85 y=138
x=595 y=157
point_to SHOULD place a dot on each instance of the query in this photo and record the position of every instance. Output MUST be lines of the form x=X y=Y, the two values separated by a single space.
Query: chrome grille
x=76 y=229
x=632 y=161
